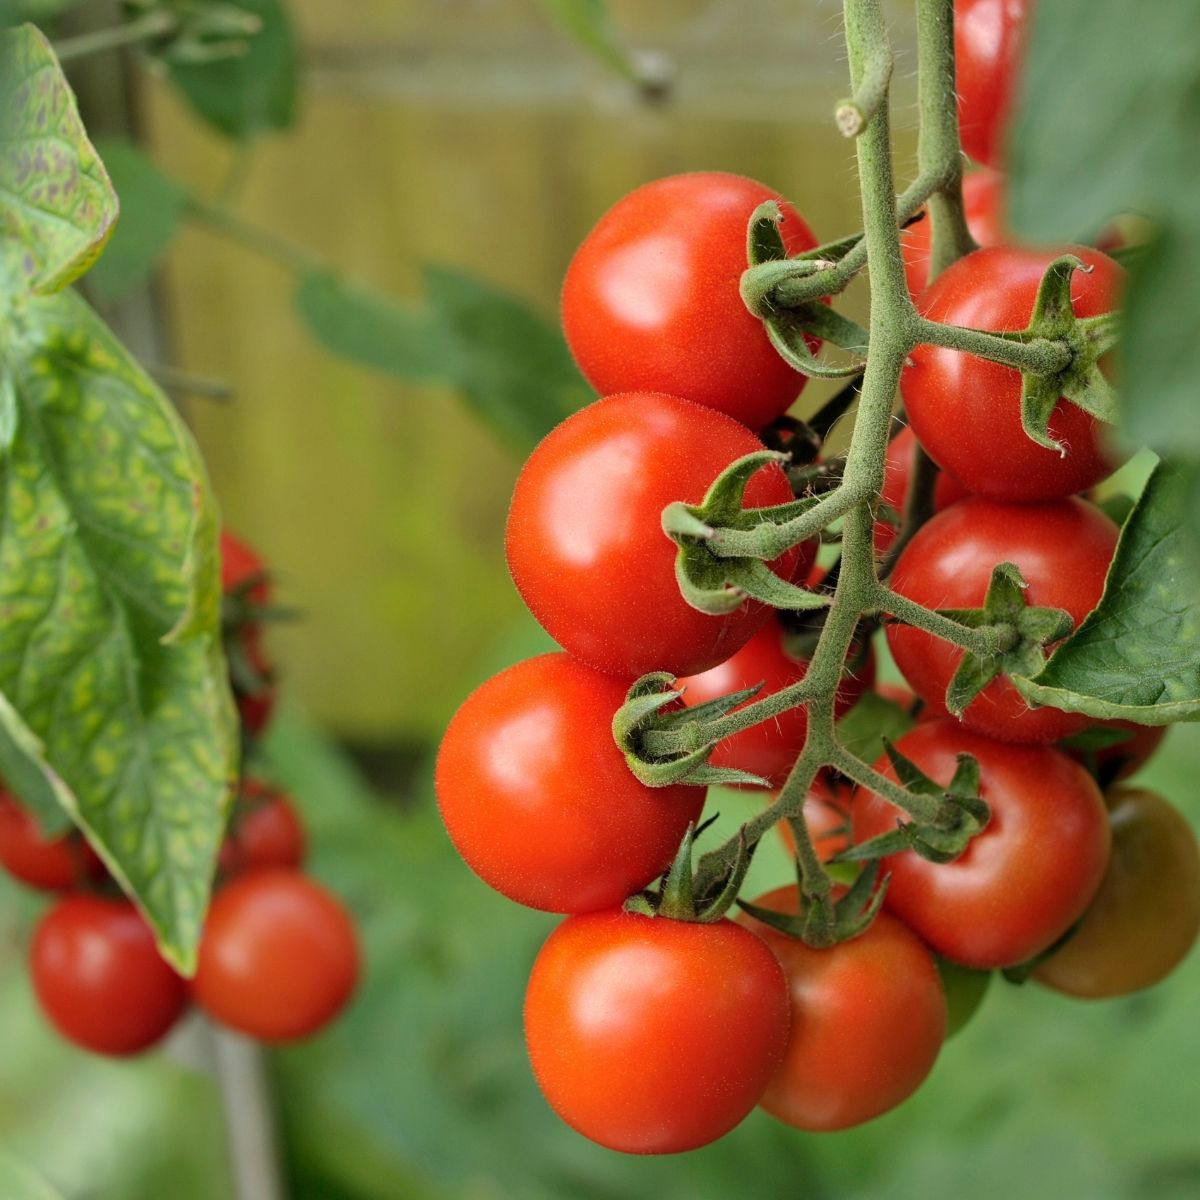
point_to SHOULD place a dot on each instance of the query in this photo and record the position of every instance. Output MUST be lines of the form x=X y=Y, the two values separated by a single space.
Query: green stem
x=1039 y=356
x=853 y=115
x=986 y=641
x=279 y=250
x=925 y=809
x=158 y=22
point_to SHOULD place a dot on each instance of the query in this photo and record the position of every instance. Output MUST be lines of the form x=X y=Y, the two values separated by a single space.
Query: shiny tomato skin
x=966 y=411
x=1063 y=551
x=653 y=1036
x=55 y=864
x=1146 y=915
x=538 y=799
x=100 y=979
x=279 y=956
x=1025 y=878
x=983 y=203
x=651 y=300
x=868 y=1021
x=770 y=748
x=266 y=831
x=897 y=474
x=988 y=39
x=585 y=542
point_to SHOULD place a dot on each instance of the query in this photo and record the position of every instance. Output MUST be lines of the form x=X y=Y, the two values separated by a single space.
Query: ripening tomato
x=868 y=1021
x=770 y=748
x=897 y=474
x=989 y=36
x=50 y=864
x=1025 y=879
x=983 y=204
x=585 y=541
x=827 y=814
x=99 y=977
x=966 y=411
x=1062 y=549
x=651 y=300
x=652 y=1036
x=266 y=831
x=279 y=956
x=1146 y=915
x=538 y=799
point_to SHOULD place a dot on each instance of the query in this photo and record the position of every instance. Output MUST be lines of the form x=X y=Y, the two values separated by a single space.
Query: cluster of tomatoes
x=654 y=1034
x=279 y=955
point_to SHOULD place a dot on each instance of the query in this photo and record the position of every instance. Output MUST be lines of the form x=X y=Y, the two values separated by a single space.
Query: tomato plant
x=584 y=538
x=983 y=206
x=966 y=411
x=538 y=799
x=651 y=302
x=279 y=957
x=265 y=831
x=844 y=1062
x=99 y=978
x=651 y=1035
x=1063 y=551
x=1026 y=878
x=989 y=36
x=896 y=480
x=827 y=815
x=1146 y=915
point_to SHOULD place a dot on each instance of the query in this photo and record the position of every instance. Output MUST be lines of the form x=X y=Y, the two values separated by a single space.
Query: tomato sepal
x=678 y=899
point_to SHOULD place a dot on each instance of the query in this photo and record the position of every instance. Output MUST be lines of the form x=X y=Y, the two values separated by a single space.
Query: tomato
x=244 y=578
x=585 y=541
x=538 y=799
x=966 y=411
x=1062 y=549
x=827 y=813
x=99 y=978
x=868 y=1021
x=242 y=569
x=651 y=300
x=768 y=749
x=1146 y=915
x=983 y=203
x=54 y=864
x=279 y=956
x=652 y=1036
x=266 y=831
x=988 y=40
x=897 y=474
x=1110 y=764
x=1025 y=878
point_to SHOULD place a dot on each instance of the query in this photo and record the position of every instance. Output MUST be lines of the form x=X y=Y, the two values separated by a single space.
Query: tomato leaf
x=152 y=205
x=1137 y=655
x=57 y=206
x=587 y=22
x=114 y=686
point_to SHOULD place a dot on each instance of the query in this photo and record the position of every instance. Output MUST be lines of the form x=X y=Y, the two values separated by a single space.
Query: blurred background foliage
x=354 y=237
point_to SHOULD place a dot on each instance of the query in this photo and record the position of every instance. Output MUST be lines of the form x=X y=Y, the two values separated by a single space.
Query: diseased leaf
x=57 y=206
x=152 y=206
x=1137 y=656
x=114 y=685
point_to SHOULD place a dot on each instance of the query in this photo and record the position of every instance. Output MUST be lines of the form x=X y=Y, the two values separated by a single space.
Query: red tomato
x=897 y=473
x=768 y=749
x=99 y=977
x=242 y=567
x=1063 y=551
x=988 y=40
x=868 y=1021
x=1110 y=764
x=585 y=541
x=1146 y=915
x=1025 y=878
x=966 y=411
x=56 y=864
x=651 y=300
x=279 y=956
x=983 y=202
x=266 y=831
x=538 y=799
x=652 y=1036
x=827 y=812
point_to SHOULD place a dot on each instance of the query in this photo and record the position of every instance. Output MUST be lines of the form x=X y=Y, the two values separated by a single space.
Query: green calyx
x=1021 y=634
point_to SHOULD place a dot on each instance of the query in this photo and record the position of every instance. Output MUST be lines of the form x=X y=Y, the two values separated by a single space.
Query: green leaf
x=19 y=1182
x=245 y=95
x=1137 y=656
x=57 y=206
x=587 y=21
x=110 y=656
x=512 y=365
x=152 y=206
x=374 y=330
